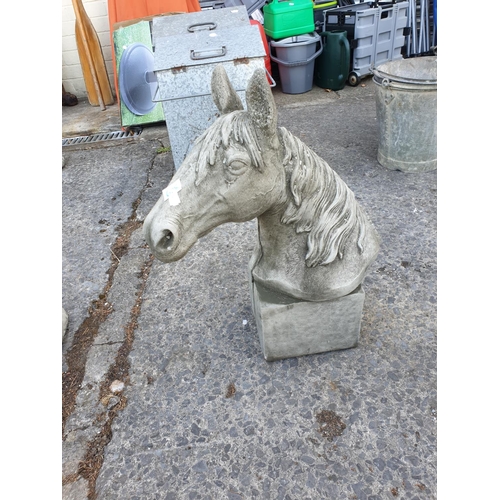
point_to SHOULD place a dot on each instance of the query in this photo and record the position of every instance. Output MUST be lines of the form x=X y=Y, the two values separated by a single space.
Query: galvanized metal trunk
x=184 y=63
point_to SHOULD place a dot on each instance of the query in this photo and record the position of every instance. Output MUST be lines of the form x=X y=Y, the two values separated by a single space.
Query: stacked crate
x=376 y=31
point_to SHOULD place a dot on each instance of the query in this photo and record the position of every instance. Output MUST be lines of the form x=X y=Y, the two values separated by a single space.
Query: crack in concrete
x=76 y=357
x=90 y=466
x=100 y=344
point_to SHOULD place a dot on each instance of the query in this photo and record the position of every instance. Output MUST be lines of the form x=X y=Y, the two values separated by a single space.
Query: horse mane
x=321 y=203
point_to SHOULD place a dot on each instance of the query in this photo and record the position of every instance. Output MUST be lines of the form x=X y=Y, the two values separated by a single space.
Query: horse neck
x=280 y=245
x=279 y=241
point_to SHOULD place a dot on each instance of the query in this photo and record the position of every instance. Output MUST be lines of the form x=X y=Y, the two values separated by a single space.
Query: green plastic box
x=288 y=18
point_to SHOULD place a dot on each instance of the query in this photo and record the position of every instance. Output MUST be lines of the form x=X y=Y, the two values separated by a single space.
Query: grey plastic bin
x=295 y=57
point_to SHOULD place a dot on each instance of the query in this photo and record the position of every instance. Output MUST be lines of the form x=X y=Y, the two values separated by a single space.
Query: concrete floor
x=84 y=119
x=201 y=414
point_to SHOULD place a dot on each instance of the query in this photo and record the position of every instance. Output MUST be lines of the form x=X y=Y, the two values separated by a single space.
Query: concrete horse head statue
x=315 y=242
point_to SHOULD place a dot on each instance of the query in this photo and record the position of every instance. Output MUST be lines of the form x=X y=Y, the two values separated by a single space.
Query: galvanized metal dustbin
x=183 y=65
x=406 y=105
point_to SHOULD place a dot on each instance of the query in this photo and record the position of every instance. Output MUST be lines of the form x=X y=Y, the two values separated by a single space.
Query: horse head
x=231 y=174
x=315 y=241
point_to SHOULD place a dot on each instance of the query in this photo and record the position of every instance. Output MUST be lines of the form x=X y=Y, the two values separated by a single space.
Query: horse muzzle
x=163 y=239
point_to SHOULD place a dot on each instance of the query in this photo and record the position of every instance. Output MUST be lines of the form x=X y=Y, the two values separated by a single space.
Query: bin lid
x=296 y=40
x=208 y=47
x=191 y=22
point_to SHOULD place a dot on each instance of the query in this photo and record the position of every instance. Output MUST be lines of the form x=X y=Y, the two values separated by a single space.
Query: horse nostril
x=167 y=240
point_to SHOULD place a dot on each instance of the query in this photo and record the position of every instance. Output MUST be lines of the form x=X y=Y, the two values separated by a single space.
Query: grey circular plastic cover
x=136 y=88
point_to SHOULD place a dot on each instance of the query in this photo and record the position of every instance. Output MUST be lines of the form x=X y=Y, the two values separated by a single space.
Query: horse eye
x=237 y=167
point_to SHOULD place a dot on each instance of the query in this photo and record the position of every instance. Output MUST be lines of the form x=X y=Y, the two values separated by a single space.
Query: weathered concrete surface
x=203 y=415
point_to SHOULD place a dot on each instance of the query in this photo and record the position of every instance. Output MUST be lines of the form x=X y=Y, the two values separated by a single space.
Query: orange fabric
x=193 y=5
x=267 y=59
x=125 y=10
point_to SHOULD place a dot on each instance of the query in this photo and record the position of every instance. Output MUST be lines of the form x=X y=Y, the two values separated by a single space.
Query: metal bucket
x=406 y=99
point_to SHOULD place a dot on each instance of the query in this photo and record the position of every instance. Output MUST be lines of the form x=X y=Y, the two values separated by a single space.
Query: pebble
x=116 y=386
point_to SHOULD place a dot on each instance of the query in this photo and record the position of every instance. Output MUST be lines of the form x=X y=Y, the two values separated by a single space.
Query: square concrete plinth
x=289 y=327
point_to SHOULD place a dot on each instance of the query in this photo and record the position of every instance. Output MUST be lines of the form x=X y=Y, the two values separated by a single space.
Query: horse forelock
x=320 y=203
x=235 y=126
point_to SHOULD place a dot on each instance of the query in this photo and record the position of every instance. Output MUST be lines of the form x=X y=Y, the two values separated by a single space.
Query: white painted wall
x=72 y=76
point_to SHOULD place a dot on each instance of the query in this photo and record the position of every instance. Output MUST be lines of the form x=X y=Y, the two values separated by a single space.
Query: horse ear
x=225 y=97
x=260 y=102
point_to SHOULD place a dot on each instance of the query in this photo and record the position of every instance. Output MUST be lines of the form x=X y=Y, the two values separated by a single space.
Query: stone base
x=289 y=328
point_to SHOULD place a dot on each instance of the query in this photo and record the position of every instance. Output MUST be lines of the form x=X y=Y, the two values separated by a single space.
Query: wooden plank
x=91 y=59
